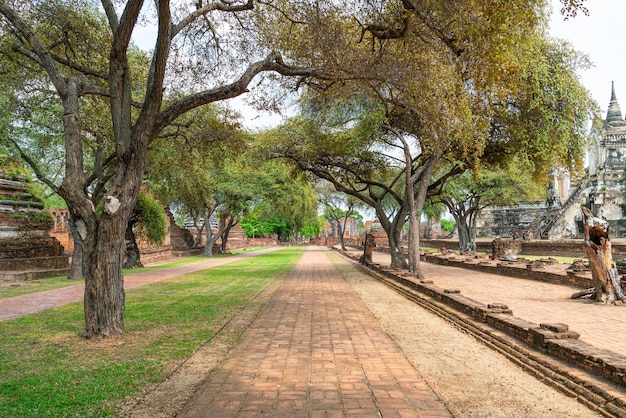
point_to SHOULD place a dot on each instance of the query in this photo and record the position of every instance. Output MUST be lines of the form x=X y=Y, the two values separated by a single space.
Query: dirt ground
x=473 y=380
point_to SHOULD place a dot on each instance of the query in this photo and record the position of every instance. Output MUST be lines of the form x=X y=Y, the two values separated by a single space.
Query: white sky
x=601 y=36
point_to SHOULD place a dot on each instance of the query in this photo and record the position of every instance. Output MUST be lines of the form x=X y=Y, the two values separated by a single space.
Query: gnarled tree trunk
x=133 y=255
x=606 y=279
x=76 y=267
x=368 y=249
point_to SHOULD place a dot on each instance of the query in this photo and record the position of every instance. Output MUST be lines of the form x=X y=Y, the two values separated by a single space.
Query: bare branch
x=203 y=10
x=33 y=164
x=273 y=62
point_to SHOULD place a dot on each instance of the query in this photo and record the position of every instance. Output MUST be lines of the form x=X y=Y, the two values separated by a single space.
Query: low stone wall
x=42 y=263
x=547 y=248
x=518 y=270
x=553 y=339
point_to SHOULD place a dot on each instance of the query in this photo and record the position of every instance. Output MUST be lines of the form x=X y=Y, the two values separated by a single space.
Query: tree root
x=587 y=293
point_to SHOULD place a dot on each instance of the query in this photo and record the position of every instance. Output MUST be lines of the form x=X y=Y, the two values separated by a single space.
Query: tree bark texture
x=133 y=255
x=598 y=248
x=76 y=267
x=368 y=249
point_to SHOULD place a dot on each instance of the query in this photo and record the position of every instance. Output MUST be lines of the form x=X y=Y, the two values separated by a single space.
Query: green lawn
x=8 y=290
x=49 y=370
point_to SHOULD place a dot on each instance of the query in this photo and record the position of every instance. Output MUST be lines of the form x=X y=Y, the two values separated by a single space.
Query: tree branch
x=204 y=10
x=45 y=59
x=273 y=62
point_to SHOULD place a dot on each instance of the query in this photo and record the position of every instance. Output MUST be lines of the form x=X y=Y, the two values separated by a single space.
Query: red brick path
x=316 y=351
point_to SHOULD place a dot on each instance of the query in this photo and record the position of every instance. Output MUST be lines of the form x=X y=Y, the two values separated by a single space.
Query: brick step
x=32 y=274
x=34 y=263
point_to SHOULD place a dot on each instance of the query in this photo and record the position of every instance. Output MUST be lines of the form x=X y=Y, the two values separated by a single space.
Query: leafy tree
x=195 y=168
x=466 y=195
x=338 y=208
x=447 y=225
x=433 y=213
x=286 y=199
x=81 y=51
x=463 y=84
x=313 y=229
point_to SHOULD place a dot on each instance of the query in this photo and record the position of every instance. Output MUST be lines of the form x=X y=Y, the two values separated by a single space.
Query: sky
x=601 y=36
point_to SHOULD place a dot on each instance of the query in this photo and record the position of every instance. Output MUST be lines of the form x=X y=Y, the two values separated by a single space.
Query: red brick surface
x=316 y=351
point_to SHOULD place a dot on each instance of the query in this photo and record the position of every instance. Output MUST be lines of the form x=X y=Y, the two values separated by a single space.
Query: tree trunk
x=198 y=238
x=224 y=241
x=341 y=232
x=104 y=283
x=605 y=277
x=231 y=223
x=210 y=238
x=368 y=249
x=464 y=234
x=428 y=233
x=76 y=267
x=398 y=259
x=133 y=256
x=416 y=205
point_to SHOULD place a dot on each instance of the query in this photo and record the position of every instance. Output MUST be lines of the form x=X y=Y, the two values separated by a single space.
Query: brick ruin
x=602 y=190
x=27 y=251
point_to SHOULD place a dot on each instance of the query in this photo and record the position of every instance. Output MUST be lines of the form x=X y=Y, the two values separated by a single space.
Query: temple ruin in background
x=27 y=251
x=602 y=190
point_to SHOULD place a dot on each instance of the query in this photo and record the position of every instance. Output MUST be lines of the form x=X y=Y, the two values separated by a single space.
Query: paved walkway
x=36 y=302
x=316 y=351
x=600 y=325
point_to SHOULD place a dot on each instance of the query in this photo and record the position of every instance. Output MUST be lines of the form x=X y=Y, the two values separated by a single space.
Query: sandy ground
x=473 y=380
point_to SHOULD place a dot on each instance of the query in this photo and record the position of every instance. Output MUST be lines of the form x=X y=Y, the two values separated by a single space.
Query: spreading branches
x=203 y=10
x=273 y=62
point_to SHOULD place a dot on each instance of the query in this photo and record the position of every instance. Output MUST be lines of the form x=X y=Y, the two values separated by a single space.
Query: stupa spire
x=614 y=114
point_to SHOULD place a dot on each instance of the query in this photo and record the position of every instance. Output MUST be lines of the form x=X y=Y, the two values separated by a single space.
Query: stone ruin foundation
x=27 y=251
x=505 y=249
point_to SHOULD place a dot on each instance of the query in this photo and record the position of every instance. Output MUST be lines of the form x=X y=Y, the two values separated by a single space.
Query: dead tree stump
x=368 y=249
x=607 y=288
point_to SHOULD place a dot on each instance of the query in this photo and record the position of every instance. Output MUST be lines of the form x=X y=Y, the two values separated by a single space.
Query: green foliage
x=151 y=218
x=312 y=229
x=43 y=216
x=447 y=225
x=255 y=229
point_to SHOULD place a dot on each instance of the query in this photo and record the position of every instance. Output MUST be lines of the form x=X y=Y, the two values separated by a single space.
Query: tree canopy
x=436 y=67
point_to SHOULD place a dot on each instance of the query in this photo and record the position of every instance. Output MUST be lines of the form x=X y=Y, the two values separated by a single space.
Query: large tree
x=193 y=168
x=80 y=59
x=468 y=82
x=466 y=195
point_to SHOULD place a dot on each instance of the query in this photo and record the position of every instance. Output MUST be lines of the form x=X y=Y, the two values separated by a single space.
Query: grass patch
x=49 y=370
x=18 y=288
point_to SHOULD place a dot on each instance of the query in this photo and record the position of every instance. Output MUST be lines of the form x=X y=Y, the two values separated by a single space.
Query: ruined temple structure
x=603 y=191
x=27 y=251
x=527 y=221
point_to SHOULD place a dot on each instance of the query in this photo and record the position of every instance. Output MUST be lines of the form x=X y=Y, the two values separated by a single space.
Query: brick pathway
x=600 y=325
x=315 y=351
x=36 y=302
